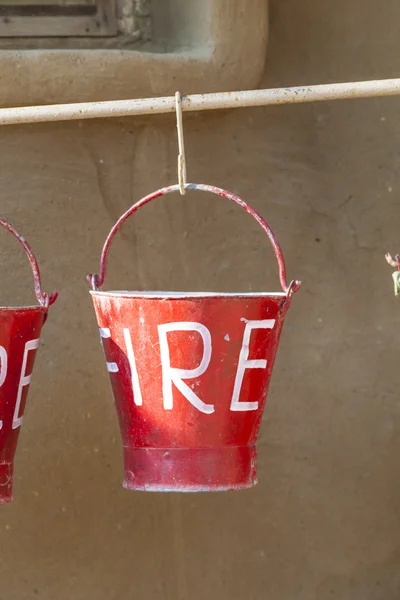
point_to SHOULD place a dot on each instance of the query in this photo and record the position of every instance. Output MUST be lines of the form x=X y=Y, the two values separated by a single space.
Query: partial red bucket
x=190 y=374
x=19 y=339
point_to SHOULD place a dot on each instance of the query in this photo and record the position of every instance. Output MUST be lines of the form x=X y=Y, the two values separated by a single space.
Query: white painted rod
x=195 y=102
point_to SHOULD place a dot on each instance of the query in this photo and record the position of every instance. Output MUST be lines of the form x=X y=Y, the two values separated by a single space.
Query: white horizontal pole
x=195 y=102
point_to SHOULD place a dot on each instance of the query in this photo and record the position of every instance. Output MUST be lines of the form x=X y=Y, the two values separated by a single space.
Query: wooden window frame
x=52 y=18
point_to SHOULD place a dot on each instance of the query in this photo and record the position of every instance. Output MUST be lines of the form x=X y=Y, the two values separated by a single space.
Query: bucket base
x=6 y=477
x=190 y=469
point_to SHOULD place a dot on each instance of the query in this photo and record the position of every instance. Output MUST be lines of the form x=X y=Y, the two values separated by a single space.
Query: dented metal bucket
x=19 y=339
x=190 y=374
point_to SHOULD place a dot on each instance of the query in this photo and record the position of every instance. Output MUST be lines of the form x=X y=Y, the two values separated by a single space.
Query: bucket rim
x=178 y=295
x=30 y=307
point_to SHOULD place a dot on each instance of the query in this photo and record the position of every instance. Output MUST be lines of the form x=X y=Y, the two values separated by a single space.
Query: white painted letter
x=4 y=363
x=112 y=367
x=24 y=381
x=244 y=364
x=172 y=375
x=3 y=369
x=137 y=393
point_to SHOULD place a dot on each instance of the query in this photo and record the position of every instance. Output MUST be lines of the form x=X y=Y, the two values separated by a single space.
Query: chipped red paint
x=19 y=338
x=190 y=374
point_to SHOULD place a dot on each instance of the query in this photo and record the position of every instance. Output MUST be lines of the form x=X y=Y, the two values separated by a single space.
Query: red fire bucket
x=19 y=339
x=190 y=373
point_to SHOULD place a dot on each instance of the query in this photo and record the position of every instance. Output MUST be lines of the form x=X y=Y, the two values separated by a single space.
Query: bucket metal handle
x=96 y=281
x=44 y=299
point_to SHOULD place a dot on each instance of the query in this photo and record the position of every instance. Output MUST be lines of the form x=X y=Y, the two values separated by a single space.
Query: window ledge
x=225 y=52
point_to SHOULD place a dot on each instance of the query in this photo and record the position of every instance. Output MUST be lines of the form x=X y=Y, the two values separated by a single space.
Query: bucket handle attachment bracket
x=96 y=281
x=44 y=299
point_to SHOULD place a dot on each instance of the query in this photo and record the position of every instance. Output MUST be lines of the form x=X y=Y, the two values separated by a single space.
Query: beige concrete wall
x=207 y=46
x=324 y=520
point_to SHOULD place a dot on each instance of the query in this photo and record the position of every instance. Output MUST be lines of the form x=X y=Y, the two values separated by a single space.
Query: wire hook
x=181 y=145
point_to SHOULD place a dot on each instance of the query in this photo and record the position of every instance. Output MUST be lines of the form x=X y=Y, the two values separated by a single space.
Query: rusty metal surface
x=19 y=339
x=190 y=374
